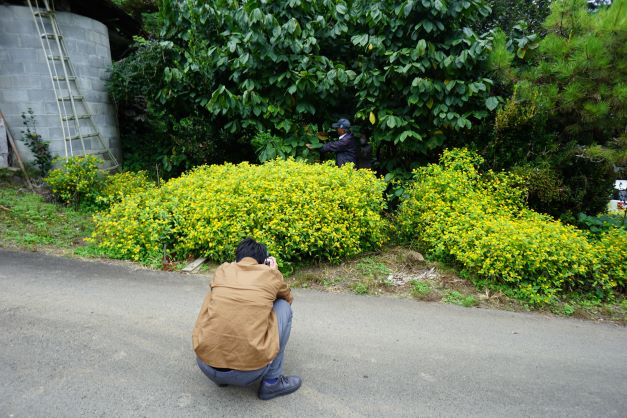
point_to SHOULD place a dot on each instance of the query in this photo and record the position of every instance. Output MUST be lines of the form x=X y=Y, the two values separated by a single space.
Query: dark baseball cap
x=342 y=123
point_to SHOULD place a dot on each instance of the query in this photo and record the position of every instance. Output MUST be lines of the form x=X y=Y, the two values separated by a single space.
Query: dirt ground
x=401 y=272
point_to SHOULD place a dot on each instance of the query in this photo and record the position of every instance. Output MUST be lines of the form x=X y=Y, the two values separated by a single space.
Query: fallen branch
x=15 y=150
x=5 y=208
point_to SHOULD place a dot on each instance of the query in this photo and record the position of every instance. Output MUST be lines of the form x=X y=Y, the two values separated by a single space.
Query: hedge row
x=81 y=183
x=480 y=222
x=457 y=214
x=299 y=210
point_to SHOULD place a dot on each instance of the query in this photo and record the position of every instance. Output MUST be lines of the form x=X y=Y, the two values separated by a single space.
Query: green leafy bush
x=119 y=185
x=566 y=115
x=611 y=262
x=588 y=179
x=297 y=209
x=411 y=71
x=507 y=14
x=78 y=181
x=479 y=222
x=519 y=128
x=545 y=187
x=268 y=146
x=36 y=144
x=576 y=180
x=601 y=223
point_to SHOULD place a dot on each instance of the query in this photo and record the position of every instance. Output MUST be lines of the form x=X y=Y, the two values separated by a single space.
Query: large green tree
x=567 y=116
x=408 y=73
x=506 y=14
x=582 y=70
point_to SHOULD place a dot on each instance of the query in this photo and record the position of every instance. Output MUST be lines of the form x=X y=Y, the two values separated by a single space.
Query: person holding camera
x=345 y=148
x=245 y=322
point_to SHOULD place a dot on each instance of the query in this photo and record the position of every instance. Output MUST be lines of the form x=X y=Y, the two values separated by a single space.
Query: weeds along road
x=92 y=339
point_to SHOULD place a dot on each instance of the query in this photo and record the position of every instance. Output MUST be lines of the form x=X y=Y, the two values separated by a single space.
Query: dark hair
x=248 y=247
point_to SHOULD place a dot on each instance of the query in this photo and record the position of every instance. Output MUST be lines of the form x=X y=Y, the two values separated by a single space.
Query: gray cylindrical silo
x=25 y=80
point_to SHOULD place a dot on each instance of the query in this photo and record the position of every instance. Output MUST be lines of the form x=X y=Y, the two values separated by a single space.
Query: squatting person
x=244 y=324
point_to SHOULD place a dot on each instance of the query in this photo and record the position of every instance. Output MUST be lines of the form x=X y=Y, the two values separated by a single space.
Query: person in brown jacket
x=244 y=324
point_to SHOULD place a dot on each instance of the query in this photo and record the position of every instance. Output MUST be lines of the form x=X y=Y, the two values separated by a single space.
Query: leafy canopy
x=408 y=73
x=582 y=70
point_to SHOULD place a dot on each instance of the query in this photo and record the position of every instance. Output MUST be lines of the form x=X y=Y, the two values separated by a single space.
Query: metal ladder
x=80 y=133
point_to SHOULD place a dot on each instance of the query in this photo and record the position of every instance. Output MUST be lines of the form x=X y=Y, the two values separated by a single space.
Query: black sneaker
x=284 y=386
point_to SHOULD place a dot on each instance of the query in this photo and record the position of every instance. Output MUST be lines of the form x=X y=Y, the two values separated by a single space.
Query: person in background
x=244 y=324
x=345 y=148
x=365 y=153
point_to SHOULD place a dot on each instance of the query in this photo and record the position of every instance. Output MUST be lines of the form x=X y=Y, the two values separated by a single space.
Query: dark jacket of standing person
x=364 y=157
x=345 y=148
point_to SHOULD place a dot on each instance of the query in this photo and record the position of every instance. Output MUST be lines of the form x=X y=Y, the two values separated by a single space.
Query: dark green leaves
x=246 y=65
x=491 y=103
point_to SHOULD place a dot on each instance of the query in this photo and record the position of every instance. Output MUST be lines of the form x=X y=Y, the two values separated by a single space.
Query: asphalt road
x=93 y=339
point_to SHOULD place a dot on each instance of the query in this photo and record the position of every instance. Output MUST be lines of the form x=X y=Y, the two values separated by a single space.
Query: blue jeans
x=283 y=312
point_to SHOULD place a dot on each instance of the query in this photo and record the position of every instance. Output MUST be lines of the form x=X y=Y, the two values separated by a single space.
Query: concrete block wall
x=25 y=80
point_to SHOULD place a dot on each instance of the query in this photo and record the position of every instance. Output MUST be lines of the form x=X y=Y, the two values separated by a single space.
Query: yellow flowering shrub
x=80 y=182
x=77 y=181
x=119 y=185
x=480 y=222
x=298 y=210
x=611 y=264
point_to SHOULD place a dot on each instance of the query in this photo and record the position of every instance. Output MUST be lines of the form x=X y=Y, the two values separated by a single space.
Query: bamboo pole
x=15 y=150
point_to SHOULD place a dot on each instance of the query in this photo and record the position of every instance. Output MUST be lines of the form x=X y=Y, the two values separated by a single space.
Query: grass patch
x=456 y=298
x=370 y=267
x=28 y=222
x=591 y=308
x=420 y=289
x=360 y=288
x=92 y=251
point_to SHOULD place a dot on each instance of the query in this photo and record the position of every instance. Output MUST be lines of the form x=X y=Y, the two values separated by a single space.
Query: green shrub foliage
x=567 y=110
x=577 y=77
x=577 y=180
x=299 y=210
x=479 y=221
x=36 y=144
x=80 y=182
x=506 y=14
x=268 y=147
x=120 y=185
x=408 y=72
x=582 y=69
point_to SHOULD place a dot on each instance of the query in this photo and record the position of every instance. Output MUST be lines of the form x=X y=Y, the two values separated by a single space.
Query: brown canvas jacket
x=236 y=327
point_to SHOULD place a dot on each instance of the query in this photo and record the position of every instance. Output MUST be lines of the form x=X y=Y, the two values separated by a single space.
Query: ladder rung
x=89 y=135
x=66 y=118
x=51 y=36
x=105 y=154
x=58 y=58
x=68 y=98
x=62 y=78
